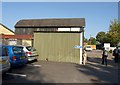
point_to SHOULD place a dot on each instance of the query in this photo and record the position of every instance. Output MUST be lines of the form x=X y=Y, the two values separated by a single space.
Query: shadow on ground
x=31 y=78
x=93 y=70
x=100 y=73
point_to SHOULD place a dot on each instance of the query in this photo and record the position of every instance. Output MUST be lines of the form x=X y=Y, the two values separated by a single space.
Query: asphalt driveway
x=60 y=72
x=55 y=72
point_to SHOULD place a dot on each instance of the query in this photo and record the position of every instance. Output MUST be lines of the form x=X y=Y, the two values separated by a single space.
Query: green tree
x=114 y=33
x=85 y=40
x=101 y=37
x=92 y=41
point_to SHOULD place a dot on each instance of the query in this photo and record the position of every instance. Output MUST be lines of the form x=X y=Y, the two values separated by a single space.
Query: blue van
x=17 y=55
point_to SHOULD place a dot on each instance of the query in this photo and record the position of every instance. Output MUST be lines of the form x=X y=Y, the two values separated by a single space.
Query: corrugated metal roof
x=60 y=22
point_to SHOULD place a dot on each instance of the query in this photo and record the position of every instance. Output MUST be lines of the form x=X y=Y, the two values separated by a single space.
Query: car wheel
x=10 y=70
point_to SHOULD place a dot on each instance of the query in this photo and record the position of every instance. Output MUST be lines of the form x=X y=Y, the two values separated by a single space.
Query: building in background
x=56 y=39
x=5 y=30
x=8 y=37
x=28 y=26
x=107 y=46
x=26 y=40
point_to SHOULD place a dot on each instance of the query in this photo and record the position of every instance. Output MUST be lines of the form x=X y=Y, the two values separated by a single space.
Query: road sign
x=77 y=46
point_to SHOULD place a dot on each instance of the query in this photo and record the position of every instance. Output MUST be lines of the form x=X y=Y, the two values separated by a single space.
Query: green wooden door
x=57 y=46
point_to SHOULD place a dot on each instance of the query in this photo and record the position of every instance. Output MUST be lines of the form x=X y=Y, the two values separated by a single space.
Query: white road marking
x=37 y=65
x=22 y=75
x=34 y=65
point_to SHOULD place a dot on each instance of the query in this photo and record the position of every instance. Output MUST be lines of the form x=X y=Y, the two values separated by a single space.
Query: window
x=29 y=48
x=38 y=29
x=75 y=29
x=17 y=49
x=63 y=29
x=88 y=47
x=24 y=30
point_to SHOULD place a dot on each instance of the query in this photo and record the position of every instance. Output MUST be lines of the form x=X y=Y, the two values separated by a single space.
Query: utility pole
x=90 y=39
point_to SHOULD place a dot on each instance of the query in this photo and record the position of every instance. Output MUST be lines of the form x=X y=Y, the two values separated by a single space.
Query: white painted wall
x=27 y=42
x=4 y=30
x=14 y=42
x=63 y=29
x=75 y=29
x=81 y=44
x=68 y=29
x=107 y=46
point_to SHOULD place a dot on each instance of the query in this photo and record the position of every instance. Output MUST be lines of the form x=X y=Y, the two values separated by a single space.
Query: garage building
x=58 y=40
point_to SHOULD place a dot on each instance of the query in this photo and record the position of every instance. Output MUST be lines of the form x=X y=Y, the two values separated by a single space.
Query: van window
x=88 y=46
x=17 y=49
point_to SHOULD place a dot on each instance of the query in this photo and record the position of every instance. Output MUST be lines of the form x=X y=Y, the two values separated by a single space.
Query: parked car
x=31 y=52
x=17 y=55
x=88 y=48
x=4 y=60
x=119 y=47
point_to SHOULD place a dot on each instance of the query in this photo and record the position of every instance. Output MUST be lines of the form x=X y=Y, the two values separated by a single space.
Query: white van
x=88 y=48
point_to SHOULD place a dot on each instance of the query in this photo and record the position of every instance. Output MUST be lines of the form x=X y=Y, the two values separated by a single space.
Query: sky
x=98 y=15
x=60 y=0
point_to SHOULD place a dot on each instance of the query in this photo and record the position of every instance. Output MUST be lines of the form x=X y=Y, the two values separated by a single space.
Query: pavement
x=61 y=72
